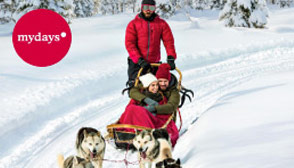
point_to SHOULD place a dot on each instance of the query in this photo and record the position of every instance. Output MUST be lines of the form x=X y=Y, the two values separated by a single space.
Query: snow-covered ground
x=251 y=126
x=241 y=116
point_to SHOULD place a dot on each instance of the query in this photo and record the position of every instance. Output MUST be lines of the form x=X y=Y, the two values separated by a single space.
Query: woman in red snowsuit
x=137 y=113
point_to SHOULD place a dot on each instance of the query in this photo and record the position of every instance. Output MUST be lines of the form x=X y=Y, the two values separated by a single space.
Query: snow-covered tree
x=176 y=4
x=245 y=13
x=199 y=4
x=7 y=7
x=164 y=8
x=64 y=7
x=84 y=8
x=217 y=4
x=281 y=3
x=108 y=7
x=284 y=3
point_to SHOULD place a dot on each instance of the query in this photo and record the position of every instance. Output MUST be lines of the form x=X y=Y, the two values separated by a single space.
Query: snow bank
x=252 y=126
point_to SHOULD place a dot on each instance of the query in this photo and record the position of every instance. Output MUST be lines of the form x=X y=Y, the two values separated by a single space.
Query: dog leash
x=125 y=161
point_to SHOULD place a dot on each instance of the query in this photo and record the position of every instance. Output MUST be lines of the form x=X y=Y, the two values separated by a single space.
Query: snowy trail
x=99 y=107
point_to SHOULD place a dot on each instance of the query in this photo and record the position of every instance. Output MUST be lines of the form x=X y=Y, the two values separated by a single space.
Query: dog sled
x=117 y=131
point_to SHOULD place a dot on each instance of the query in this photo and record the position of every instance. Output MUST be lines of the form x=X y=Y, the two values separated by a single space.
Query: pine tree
x=284 y=3
x=281 y=3
x=208 y=4
x=176 y=4
x=7 y=8
x=165 y=8
x=106 y=7
x=64 y=7
x=245 y=13
x=217 y=4
x=199 y=4
x=5 y=13
x=84 y=8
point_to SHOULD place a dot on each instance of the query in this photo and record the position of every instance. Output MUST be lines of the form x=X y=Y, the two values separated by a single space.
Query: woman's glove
x=150 y=101
x=151 y=109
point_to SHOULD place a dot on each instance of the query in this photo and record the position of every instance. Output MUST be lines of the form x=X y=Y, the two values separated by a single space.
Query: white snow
x=244 y=13
x=251 y=126
x=241 y=116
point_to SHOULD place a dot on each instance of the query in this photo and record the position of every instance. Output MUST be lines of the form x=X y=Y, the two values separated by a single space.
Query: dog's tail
x=60 y=160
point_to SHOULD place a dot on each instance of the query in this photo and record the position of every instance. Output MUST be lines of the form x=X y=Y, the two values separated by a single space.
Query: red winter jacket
x=143 y=39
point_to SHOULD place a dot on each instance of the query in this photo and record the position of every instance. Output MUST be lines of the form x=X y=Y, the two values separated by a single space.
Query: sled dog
x=90 y=145
x=76 y=162
x=153 y=146
x=169 y=163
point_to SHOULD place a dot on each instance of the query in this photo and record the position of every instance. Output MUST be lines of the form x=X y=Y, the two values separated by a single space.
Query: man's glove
x=150 y=101
x=171 y=62
x=144 y=64
x=151 y=109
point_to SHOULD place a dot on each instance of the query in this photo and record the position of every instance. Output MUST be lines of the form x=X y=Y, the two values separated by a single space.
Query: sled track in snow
x=85 y=103
x=214 y=81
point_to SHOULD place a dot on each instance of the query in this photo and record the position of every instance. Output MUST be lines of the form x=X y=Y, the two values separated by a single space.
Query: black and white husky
x=153 y=146
x=90 y=145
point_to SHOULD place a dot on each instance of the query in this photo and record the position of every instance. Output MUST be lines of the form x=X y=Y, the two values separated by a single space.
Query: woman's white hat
x=147 y=79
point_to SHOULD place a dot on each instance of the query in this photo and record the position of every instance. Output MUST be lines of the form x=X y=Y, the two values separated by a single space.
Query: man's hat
x=148 y=2
x=163 y=72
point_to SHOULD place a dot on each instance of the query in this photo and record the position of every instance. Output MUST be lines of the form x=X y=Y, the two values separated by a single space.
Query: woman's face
x=153 y=87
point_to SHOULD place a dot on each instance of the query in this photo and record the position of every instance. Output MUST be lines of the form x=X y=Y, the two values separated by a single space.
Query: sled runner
x=117 y=131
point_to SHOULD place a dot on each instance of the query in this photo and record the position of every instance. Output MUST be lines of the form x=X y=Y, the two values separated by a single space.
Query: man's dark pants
x=133 y=70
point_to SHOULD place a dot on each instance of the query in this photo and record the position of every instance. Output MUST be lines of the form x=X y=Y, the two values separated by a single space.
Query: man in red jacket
x=143 y=37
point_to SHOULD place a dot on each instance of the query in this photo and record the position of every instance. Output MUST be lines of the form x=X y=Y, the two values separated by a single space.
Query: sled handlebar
x=157 y=65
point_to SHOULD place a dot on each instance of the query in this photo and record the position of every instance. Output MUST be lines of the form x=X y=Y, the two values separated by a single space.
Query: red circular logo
x=41 y=37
